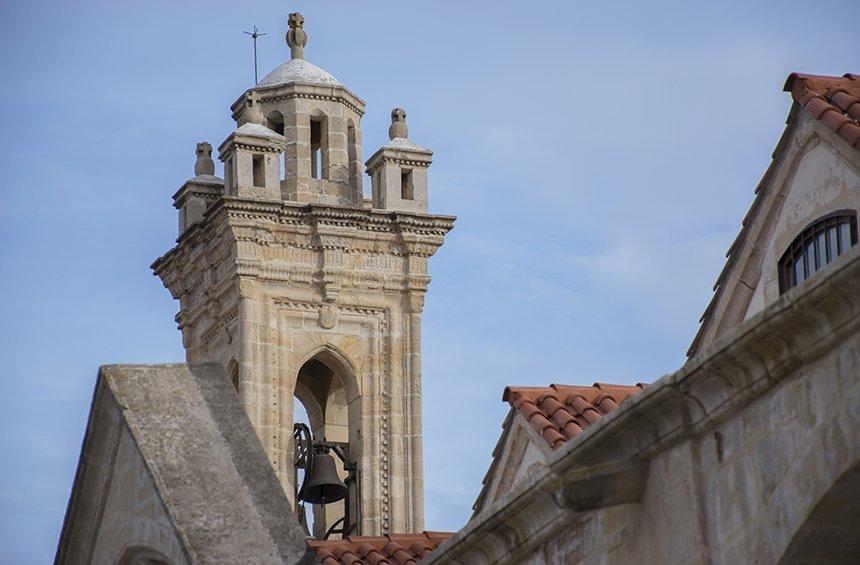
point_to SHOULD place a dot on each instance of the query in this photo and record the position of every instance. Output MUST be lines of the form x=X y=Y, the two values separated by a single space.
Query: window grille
x=820 y=243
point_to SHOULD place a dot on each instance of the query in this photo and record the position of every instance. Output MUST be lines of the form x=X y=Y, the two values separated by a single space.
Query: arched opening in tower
x=275 y=122
x=319 y=147
x=321 y=402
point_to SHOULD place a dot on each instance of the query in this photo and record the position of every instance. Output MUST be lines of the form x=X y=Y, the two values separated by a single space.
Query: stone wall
x=739 y=493
x=171 y=472
x=134 y=516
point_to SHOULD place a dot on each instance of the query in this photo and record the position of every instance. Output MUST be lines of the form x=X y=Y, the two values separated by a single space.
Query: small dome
x=298 y=70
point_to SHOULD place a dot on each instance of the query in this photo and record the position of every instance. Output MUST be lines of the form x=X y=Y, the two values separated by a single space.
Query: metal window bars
x=817 y=245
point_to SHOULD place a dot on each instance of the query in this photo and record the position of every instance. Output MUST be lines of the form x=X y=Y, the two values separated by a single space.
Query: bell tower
x=304 y=288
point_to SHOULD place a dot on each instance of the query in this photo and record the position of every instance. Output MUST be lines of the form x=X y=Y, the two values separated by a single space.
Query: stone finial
x=251 y=112
x=296 y=36
x=204 y=165
x=398 y=126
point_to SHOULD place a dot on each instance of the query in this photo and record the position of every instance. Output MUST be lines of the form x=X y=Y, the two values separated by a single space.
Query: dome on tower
x=298 y=70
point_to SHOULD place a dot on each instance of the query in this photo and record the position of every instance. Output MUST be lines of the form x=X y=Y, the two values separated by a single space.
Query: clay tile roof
x=391 y=549
x=561 y=412
x=835 y=101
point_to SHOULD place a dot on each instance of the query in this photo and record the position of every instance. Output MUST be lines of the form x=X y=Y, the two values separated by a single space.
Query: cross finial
x=296 y=36
x=398 y=126
x=204 y=164
x=251 y=113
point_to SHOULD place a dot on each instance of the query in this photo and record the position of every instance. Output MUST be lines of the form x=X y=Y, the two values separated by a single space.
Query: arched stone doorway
x=325 y=387
x=831 y=533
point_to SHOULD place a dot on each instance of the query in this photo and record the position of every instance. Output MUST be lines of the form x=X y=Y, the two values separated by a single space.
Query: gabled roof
x=833 y=101
x=391 y=549
x=204 y=459
x=561 y=412
x=557 y=413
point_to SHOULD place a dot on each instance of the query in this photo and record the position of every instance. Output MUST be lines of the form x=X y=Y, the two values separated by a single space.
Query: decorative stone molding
x=374 y=362
x=222 y=325
x=333 y=93
x=328 y=317
x=397 y=160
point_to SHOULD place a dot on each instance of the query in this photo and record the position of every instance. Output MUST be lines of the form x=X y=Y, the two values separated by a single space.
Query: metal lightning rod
x=254 y=35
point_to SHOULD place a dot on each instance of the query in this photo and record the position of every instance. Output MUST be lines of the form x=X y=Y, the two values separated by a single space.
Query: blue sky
x=599 y=156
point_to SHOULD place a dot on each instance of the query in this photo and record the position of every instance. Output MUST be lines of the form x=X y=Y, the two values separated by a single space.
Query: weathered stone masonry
x=302 y=287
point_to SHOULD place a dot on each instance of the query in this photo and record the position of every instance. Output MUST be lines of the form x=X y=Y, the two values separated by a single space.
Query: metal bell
x=324 y=485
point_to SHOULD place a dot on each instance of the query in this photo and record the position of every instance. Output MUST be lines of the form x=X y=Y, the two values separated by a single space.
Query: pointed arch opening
x=325 y=387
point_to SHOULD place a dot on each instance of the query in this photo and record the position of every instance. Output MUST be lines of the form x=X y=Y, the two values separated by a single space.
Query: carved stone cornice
x=274 y=93
x=208 y=188
x=381 y=158
x=805 y=323
x=318 y=228
x=256 y=147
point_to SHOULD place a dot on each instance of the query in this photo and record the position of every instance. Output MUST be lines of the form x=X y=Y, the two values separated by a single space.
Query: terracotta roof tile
x=391 y=549
x=833 y=100
x=561 y=412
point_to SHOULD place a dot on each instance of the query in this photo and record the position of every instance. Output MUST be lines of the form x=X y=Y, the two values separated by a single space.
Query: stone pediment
x=814 y=172
x=171 y=467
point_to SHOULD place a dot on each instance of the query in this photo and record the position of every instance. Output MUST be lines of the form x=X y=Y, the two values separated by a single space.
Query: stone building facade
x=293 y=284
x=302 y=287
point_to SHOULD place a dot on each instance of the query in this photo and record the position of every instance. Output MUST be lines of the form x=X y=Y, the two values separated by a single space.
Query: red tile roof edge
x=561 y=412
x=388 y=549
x=834 y=101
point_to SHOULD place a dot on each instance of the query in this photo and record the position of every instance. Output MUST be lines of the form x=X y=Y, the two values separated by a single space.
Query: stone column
x=413 y=414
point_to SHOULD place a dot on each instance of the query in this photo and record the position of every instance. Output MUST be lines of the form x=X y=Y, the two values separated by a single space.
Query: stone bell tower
x=304 y=288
